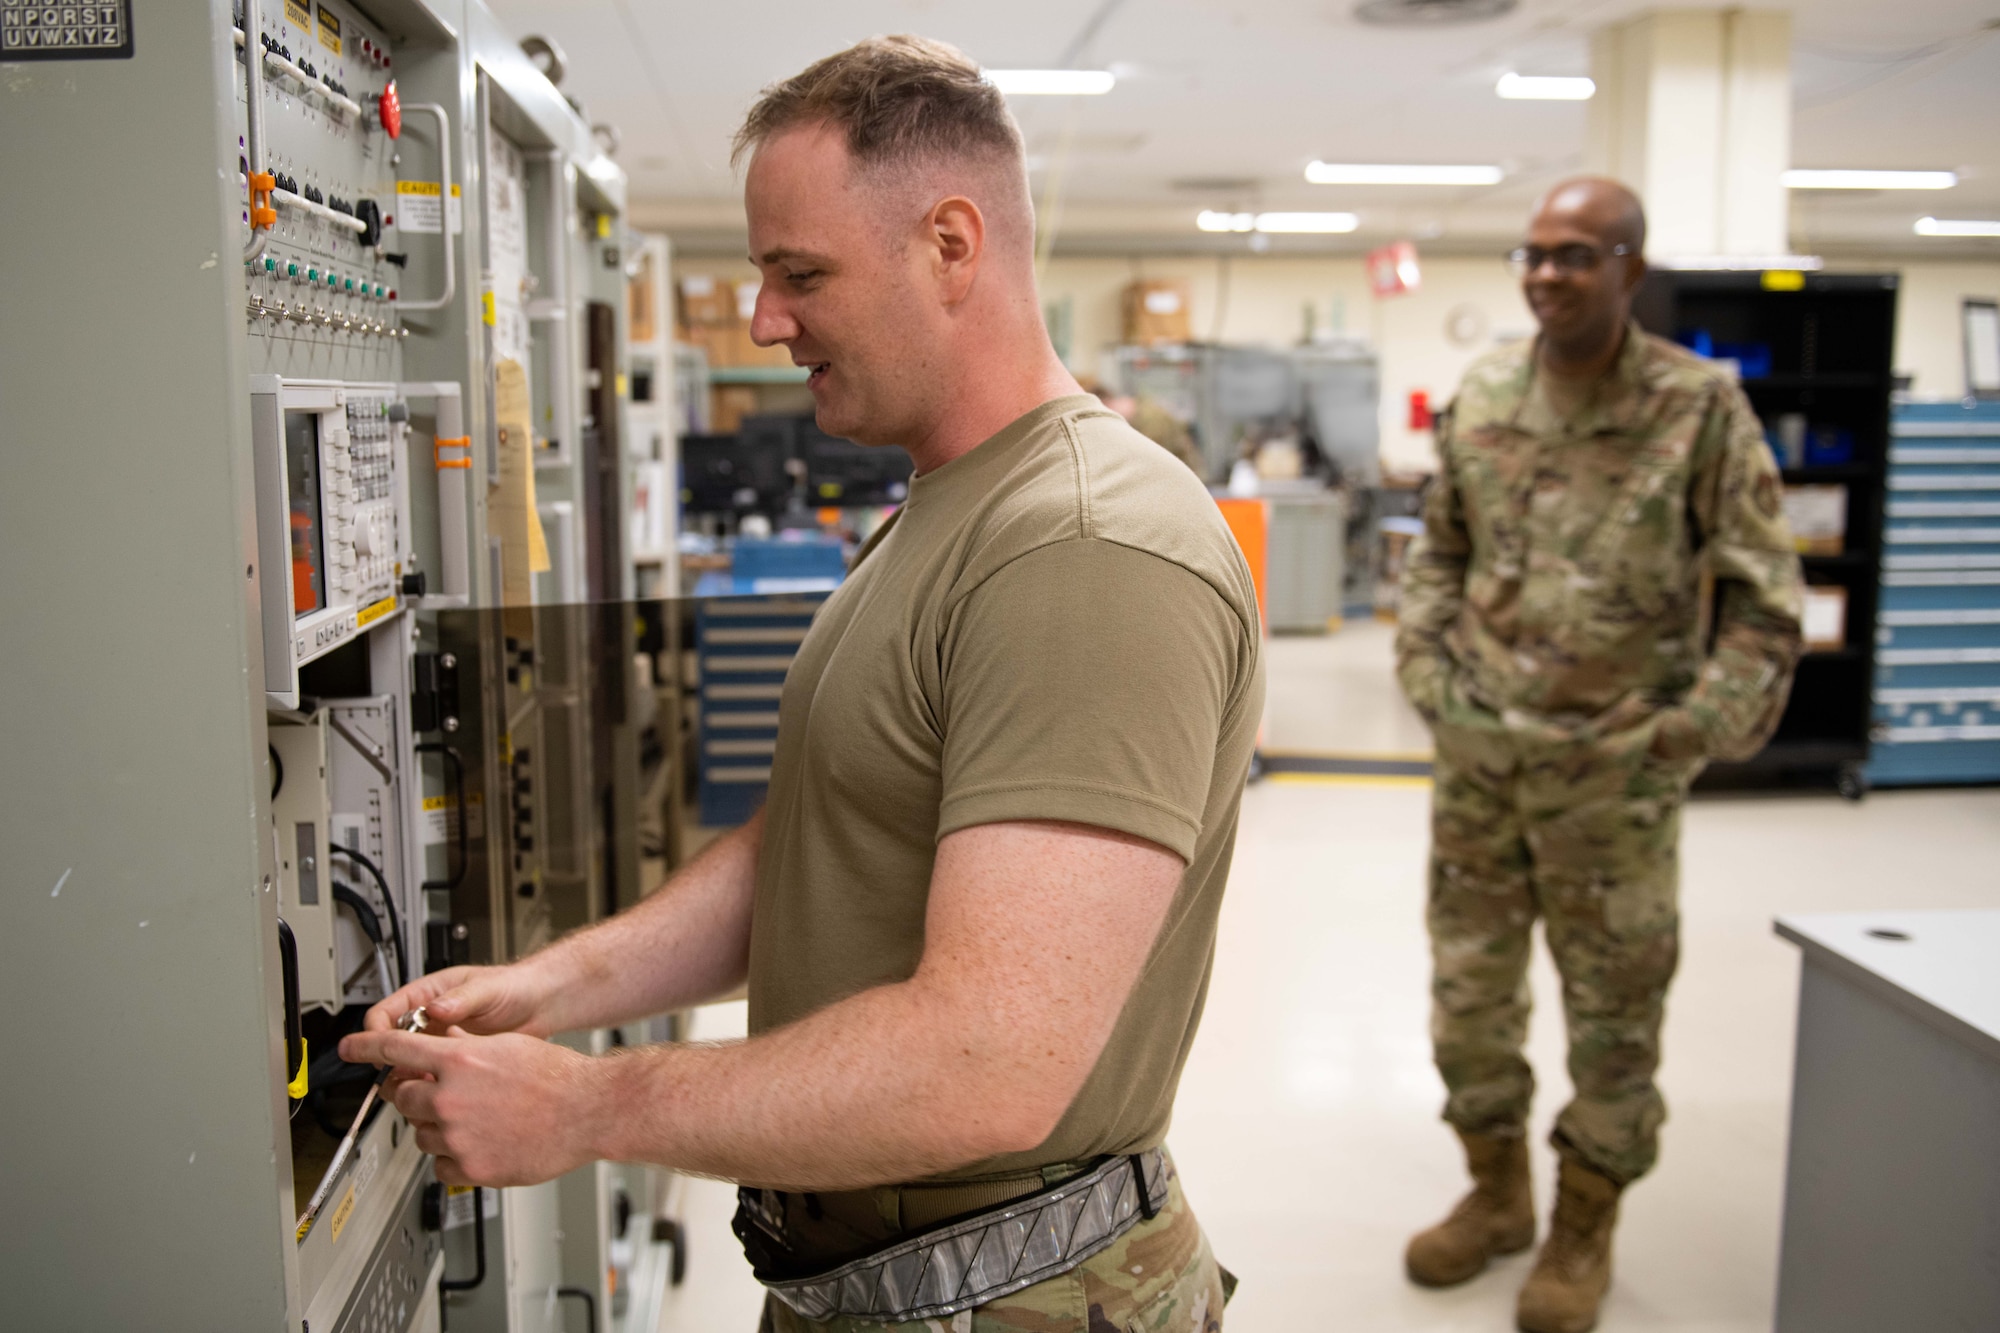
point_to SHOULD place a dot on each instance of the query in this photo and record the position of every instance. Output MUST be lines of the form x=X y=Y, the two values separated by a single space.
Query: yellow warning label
x=370 y=614
x=436 y=803
x=329 y=30
x=1784 y=280
x=624 y=385
x=487 y=311
x=431 y=188
x=297 y=11
x=342 y=1213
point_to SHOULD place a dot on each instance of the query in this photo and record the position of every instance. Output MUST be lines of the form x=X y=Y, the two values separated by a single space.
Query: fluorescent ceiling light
x=1375 y=173
x=1544 y=88
x=1314 y=223
x=1052 y=82
x=1739 y=263
x=1317 y=224
x=1798 y=179
x=1959 y=227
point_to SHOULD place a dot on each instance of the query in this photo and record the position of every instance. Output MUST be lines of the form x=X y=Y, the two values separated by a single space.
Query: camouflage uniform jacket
x=1558 y=579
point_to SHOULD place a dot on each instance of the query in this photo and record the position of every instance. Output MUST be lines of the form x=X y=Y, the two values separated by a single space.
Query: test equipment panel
x=267 y=795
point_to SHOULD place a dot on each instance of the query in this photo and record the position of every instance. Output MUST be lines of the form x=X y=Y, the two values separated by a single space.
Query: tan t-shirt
x=1056 y=625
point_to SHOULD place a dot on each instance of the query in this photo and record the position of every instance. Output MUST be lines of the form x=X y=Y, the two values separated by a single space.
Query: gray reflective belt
x=983 y=1258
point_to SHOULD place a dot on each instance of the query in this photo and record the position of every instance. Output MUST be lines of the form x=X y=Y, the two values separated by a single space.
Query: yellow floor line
x=1347 y=780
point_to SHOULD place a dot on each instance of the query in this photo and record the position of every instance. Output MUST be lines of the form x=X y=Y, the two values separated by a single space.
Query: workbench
x=1892 y=1180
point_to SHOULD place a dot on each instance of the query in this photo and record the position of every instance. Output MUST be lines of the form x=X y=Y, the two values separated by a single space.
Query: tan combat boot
x=1496 y=1218
x=1574 y=1268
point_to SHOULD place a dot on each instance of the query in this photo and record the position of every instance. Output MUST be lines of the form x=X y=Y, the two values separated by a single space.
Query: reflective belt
x=989 y=1255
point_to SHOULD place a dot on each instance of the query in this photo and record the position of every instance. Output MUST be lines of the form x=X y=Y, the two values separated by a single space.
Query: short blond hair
x=900 y=101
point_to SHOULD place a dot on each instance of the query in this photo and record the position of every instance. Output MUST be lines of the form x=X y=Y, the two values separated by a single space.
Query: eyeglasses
x=1568 y=259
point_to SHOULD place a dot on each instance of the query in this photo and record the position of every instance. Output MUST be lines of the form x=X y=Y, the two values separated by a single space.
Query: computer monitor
x=841 y=472
x=734 y=474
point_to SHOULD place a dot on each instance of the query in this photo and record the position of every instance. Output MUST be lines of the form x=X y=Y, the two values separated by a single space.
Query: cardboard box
x=706 y=302
x=1824 y=619
x=743 y=352
x=728 y=404
x=717 y=343
x=1817 y=516
x=1157 y=311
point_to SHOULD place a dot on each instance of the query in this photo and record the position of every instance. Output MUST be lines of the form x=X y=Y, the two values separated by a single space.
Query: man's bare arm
x=1035 y=935
x=686 y=943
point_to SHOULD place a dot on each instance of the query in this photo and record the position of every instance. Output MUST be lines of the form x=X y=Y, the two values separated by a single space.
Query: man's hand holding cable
x=505 y=1109
x=484 y=1000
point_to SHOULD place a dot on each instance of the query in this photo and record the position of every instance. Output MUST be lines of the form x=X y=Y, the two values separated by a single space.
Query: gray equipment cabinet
x=1892 y=1179
x=1306 y=562
x=249 y=463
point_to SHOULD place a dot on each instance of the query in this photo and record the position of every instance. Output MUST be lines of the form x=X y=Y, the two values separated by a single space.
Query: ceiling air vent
x=1430 y=13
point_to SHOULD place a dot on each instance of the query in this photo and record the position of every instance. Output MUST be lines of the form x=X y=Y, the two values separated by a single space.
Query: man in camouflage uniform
x=1554 y=636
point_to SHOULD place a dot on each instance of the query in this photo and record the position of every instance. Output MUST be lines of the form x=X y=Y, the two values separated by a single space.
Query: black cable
x=589 y=1300
x=388 y=901
x=277 y=771
x=370 y=919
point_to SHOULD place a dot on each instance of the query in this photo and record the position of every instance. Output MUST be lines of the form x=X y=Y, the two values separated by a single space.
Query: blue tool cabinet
x=1937 y=676
x=744 y=646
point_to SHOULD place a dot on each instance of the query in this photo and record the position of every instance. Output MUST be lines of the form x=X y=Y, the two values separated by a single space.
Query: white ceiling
x=1249 y=91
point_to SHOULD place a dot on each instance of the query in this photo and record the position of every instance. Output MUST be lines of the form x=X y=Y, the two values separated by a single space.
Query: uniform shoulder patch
x=1766 y=495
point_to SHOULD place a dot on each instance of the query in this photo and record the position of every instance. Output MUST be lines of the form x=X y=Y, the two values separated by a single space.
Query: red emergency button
x=392 y=111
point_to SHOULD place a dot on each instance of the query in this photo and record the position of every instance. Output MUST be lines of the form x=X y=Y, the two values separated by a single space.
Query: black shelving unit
x=1821 y=345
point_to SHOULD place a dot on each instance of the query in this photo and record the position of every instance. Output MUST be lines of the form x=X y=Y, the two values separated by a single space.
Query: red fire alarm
x=1420 y=409
x=391 y=108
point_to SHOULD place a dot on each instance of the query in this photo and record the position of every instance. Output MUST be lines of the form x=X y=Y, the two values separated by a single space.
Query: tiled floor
x=1306 y=1125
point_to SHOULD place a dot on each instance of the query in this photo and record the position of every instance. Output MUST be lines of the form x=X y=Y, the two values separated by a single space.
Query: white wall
x=1261 y=299
x=1930 y=340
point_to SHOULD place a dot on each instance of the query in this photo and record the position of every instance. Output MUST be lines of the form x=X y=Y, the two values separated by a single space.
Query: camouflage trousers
x=1158 y=1276
x=1583 y=835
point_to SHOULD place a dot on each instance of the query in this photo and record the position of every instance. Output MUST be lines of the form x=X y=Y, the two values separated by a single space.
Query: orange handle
x=262 y=215
x=443 y=443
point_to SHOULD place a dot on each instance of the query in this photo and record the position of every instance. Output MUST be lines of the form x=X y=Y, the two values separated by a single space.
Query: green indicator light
x=331 y=280
x=312 y=275
x=270 y=264
x=292 y=269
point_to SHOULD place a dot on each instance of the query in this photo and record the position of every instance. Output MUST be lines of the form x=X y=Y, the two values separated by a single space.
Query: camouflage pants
x=1585 y=836
x=1158 y=1276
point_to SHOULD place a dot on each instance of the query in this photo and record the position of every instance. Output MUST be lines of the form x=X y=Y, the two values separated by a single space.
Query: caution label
x=458 y=1206
x=329 y=30
x=421 y=207
x=370 y=614
x=299 y=12
x=342 y=1213
x=437 y=818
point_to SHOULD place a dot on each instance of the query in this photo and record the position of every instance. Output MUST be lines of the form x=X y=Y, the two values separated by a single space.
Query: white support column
x=1693 y=110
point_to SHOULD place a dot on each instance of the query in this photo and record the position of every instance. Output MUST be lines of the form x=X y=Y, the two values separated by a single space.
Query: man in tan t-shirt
x=977 y=913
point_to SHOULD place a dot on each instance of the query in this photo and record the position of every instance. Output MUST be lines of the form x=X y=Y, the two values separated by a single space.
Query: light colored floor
x=1306 y=1125
x=1335 y=693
